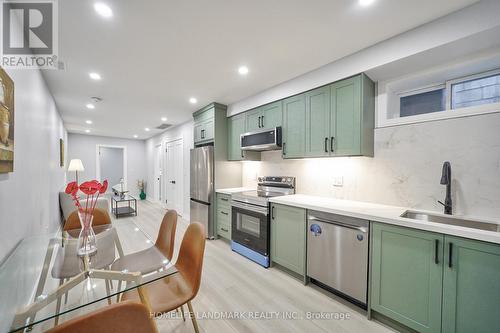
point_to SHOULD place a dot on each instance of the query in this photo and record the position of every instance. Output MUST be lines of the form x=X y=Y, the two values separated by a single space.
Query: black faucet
x=446 y=180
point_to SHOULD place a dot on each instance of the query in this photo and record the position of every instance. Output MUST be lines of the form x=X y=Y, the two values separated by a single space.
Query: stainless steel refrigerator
x=202 y=188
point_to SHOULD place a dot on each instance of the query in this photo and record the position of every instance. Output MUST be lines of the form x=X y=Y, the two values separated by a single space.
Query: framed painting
x=61 y=152
x=6 y=123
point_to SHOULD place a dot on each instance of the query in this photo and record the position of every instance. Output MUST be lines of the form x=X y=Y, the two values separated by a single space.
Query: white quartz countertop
x=386 y=214
x=233 y=190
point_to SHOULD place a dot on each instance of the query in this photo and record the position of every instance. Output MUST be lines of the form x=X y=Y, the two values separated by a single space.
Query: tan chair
x=101 y=217
x=151 y=259
x=125 y=317
x=176 y=290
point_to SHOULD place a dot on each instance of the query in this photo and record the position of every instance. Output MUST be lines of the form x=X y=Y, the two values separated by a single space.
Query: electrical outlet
x=338 y=181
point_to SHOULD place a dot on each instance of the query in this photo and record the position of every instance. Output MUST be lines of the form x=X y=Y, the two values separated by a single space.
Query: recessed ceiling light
x=90 y=106
x=243 y=70
x=163 y=118
x=88 y=122
x=103 y=9
x=147 y=129
x=136 y=136
x=193 y=100
x=87 y=131
x=366 y=2
x=95 y=76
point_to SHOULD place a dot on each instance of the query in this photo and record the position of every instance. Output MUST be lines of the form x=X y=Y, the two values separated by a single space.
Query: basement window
x=474 y=91
x=427 y=101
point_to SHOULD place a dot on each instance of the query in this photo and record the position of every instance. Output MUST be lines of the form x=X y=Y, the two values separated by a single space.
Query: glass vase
x=87 y=244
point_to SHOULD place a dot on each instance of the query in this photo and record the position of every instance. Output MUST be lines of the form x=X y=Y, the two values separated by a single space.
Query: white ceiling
x=153 y=55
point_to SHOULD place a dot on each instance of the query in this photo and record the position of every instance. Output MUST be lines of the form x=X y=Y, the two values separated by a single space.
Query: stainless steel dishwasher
x=337 y=254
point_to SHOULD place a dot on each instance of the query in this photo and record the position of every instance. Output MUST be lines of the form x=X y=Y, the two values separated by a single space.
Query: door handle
x=172 y=182
x=332 y=142
x=436 y=251
x=450 y=255
x=326 y=145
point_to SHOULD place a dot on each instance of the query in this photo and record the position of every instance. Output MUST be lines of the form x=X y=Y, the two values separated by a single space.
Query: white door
x=174 y=175
x=157 y=173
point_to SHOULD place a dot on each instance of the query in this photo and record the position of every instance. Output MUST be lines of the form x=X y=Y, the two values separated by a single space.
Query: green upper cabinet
x=345 y=125
x=253 y=119
x=294 y=127
x=237 y=126
x=471 y=295
x=407 y=276
x=272 y=115
x=288 y=237
x=204 y=124
x=264 y=117
x=318 y=122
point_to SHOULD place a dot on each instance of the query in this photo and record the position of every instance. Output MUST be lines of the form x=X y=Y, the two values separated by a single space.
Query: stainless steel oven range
x=250 y=224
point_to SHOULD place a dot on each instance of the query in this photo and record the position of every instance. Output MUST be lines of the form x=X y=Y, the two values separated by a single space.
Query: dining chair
x=101 y=217
x=146 y=261
x=172 y=292
x=125 y=317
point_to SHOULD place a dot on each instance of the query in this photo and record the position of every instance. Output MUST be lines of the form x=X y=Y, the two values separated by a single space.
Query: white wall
x=406 y=169
x=84 y=147
x=184 y=131
x=29 y=202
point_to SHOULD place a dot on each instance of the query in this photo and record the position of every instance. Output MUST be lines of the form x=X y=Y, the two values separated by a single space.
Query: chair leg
x=66 y=295
x=58 y=305
x=182 y=313
x=193 y=318
x=108 y=292
x=118 y=288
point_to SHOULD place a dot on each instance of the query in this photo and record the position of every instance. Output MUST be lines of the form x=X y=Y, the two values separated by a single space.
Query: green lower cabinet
x=407 y=277
x=288 y=237
x=471 y=295
x=223 y=215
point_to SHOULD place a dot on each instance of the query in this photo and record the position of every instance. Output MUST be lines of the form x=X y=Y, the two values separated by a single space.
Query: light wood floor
x=233 y=285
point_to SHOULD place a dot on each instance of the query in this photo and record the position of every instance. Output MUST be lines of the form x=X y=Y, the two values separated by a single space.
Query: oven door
x=250 y=226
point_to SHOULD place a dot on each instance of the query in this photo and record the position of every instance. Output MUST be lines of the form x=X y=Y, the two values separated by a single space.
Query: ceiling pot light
x=88 y=122
x=365 y=3
x=90 y=106
x=87 y=131
x=193 y=100
x=103 y=9
x=95 y=76
x=163 y=118
x=243 y=70
x=147 y=129
x=136 y=136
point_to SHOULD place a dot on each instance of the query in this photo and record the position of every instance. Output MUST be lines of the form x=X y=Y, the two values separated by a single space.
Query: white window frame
x=448 y=113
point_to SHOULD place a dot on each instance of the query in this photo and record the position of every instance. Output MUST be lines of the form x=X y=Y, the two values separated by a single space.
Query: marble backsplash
x=406 y=169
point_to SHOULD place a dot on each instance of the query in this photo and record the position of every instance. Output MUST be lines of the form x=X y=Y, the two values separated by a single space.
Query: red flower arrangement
x=92 y=189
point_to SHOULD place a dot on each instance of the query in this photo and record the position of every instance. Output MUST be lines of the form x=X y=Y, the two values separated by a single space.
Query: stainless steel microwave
x=269 y=139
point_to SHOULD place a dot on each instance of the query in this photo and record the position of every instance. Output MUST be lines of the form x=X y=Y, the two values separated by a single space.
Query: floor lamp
x=76 y=165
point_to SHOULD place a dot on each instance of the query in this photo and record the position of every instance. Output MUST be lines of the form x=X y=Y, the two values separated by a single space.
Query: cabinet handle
x=203 y=134
x=450 y=255
x=272 y=212
x=224 y=199
x=242 y=154
x=326 y=145
x=262 y=120
x=224 y=213
x=436 y=251
x=224 y=229
x=332 y=142
x=284 y=148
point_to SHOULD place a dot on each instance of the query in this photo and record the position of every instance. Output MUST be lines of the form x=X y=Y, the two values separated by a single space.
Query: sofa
x=68 y=206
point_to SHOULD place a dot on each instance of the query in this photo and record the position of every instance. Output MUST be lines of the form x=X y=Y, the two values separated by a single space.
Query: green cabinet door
x=318 y=122
x=471 y=295
x=288 y=237
x=253 y=119
x=236 y=127
x=407 y=276
x=345 y=126
x=272 y=115
x=294 y=127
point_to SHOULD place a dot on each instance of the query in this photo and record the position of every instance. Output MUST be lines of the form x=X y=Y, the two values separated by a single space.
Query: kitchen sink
x=421 y=216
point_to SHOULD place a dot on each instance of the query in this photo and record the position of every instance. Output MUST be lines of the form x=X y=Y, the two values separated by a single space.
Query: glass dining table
x=44 y=282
